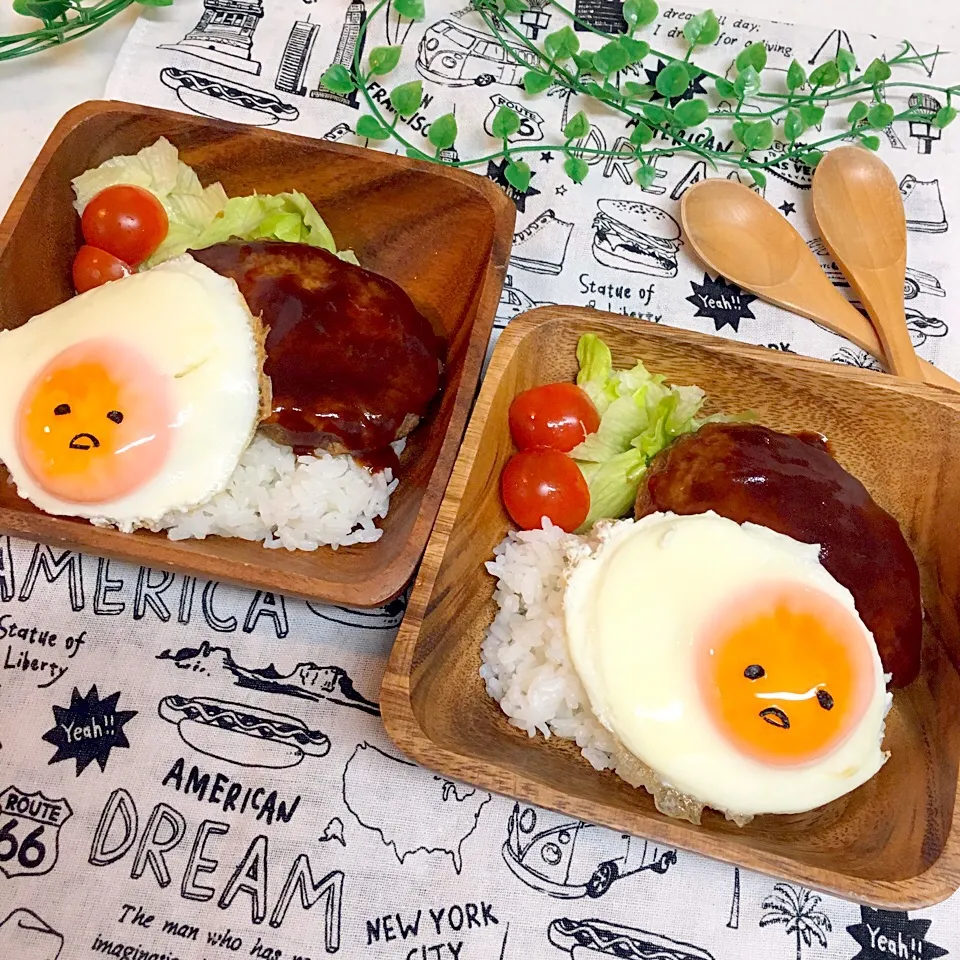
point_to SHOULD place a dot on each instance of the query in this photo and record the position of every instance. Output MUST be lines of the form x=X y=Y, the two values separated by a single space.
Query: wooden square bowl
x=895 y=841
x=443 y=235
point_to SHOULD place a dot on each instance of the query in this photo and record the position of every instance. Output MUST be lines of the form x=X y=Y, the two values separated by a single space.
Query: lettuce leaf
x=202 y=216
x=640 y=414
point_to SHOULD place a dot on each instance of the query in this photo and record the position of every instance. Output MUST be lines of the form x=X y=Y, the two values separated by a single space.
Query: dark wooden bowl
x=894 y=842
x=442 y=235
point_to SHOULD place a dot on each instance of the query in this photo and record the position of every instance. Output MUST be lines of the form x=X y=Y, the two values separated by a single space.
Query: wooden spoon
x=859 y=210
x=743 y=238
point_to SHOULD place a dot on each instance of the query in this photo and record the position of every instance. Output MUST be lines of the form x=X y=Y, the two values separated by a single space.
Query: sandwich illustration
x=240 y=734
x=636 y=237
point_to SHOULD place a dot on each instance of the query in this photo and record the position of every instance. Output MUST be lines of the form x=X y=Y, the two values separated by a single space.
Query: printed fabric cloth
x=192 y=771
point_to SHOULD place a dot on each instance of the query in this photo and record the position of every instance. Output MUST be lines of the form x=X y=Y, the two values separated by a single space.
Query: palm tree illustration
x=798 y=910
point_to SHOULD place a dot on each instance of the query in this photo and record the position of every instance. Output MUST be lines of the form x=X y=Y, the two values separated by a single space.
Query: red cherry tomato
x=91 y=267
x=127 y=221
x=544 y=483
x=556 y=415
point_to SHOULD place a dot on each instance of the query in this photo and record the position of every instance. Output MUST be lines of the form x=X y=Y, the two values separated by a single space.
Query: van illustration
x=458 y=56
x=915 y=282
x=568 y=859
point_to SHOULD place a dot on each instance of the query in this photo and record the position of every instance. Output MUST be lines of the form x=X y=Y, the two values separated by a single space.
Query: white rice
x=296 y=502
x=526 y=666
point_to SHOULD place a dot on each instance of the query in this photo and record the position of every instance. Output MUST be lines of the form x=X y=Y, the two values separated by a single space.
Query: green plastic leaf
x=411 y=9
x=594 y=90
x=846 y=61
x=877 y=72
x=515 y=6
x=739 y=127
x=793 y=125
x=610 y=58
x=673 y=80
x=756 y=136
x=155 y=3
x=747 y=83
x=796 y=76
x=562 y=44
x=505 y=124
x=384 y=59
x=812 y=157
x=406 y=98
x=371 y=128
x=645 y=175
x=725 y=89
x=578 y=126
x=45 y=10
x=857 y=113
x=584 y=61
x=414 y=154
x=337 y=78
x=657 y=115
x=638 y=91
x=812 y=116
x=641 y=135
x=576 y=169
x=880 y=116
x=945 y=116
x=754 y=55
x=536 y=82
x=702 y=30
x=691 y=113
x=443 y=131
x=826 y=75
x=640 y=13
x=871 y=142
x=758 y=177
x=518 y=175
x=636 y=49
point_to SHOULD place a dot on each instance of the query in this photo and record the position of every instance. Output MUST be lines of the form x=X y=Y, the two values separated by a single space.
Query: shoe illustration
x=542 y=245
x=923 y=205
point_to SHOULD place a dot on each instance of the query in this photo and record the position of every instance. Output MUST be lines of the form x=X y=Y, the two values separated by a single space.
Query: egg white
x=196 y=328
x=632 y=608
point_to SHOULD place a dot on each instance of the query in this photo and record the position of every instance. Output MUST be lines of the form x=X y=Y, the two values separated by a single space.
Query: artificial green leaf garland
x=760 y=112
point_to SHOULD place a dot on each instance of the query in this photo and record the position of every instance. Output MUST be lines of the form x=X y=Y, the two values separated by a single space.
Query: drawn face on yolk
x=785 y=673
x=94 y=424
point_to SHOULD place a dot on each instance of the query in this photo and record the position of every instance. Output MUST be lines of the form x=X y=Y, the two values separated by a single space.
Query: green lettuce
x=640 y=414
x=202 y=216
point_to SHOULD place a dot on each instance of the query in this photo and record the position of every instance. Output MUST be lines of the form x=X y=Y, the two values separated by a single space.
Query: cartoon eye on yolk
x=94 y=423
x=785 y=673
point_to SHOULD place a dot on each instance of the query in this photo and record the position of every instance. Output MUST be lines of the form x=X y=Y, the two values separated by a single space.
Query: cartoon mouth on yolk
x=94 y=424
x=786 y=673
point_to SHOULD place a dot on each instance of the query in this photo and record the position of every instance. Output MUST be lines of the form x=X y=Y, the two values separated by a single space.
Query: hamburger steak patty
x=352 y=363
x=791 y=484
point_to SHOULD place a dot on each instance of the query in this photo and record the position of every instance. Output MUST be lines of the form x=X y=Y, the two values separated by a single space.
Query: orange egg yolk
x=95 y=423
x=786 y=673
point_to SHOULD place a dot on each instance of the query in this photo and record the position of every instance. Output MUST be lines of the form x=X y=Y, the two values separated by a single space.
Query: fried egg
x=134 y=399
x=728 y=660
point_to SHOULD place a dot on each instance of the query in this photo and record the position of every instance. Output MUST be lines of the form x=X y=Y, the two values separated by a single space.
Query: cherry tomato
x=544 y=483
x=91 y=267
x=127 y=221
x=556 y=415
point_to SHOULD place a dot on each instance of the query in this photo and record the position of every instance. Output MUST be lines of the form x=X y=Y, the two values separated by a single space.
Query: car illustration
x=458 y=56
x=915 y=282
x=568 y=859
x=513 y=301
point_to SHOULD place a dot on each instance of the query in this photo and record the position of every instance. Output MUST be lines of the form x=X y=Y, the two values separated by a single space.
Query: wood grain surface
x=444 y=236
x=893 y=842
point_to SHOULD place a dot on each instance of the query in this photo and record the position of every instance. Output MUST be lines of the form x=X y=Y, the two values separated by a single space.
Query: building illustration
x=224 y=34
x=296 y=56
x=606 y=15
x=346 y=46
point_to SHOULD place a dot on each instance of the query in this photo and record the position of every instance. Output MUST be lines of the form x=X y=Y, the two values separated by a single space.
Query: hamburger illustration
x=637 y=237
